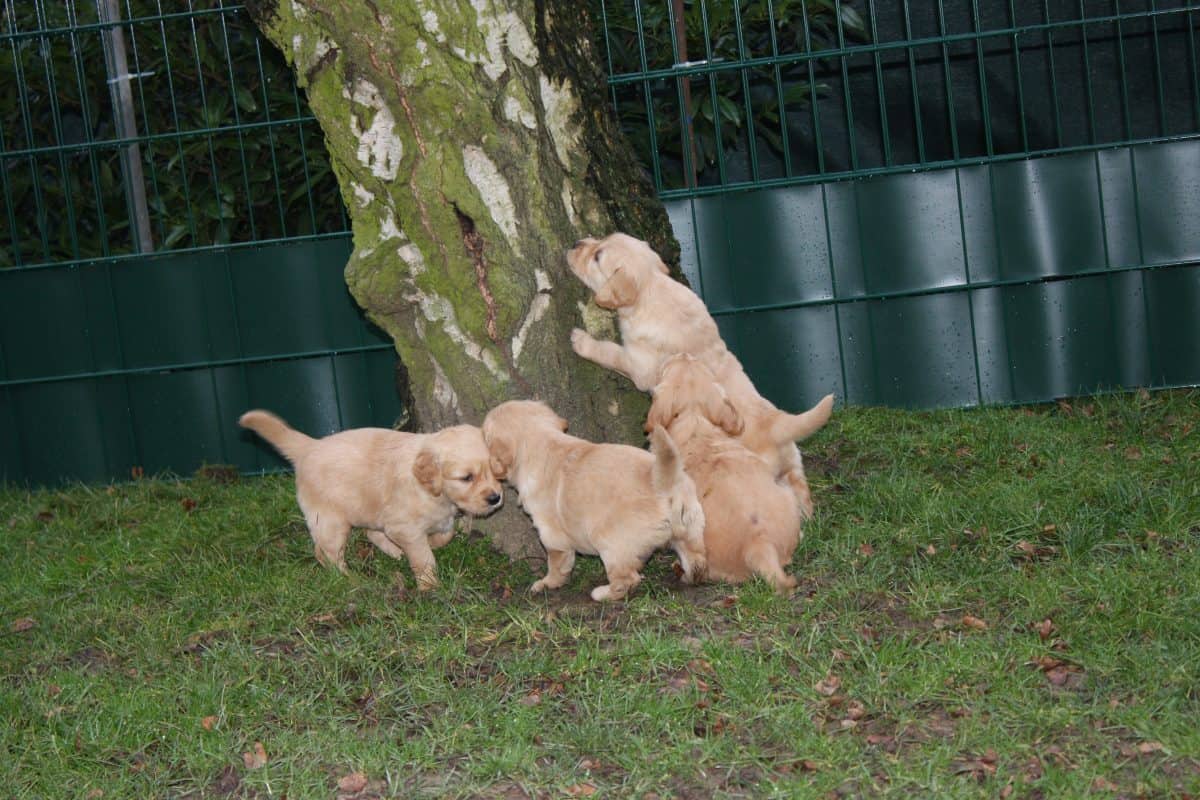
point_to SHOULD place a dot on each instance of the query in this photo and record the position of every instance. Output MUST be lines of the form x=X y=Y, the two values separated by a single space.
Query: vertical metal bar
x=783 y=126
x=884 y=128
x=916 y=92
x=841 y=43
x=1058 y=138
x=1016 y=46
x=266 y=100
x=187 y=190
x=145 y=121
x=1191 y=40
x=712 y=89
x=56 y=123
x=812 y=90
x=1089 y=97
x=312 y=211
x=951 y=118
x=27 y=124
x=117 y=66
x=1158 y=72
x=985 y=107
x=683 y=88
x=212 y=153
x=745 y=73
x=1121 y=66
x=650 y=122
x=80 y=77
x=237 y=121
x=14 y=235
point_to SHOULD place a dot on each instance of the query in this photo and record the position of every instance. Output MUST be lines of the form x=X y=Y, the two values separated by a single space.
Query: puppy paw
x=581 y=342
x=538 y=586
x=427 y=582
x=786 y=587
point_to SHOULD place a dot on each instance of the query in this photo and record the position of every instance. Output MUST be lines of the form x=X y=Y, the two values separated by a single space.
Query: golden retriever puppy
x=752 y=523
x=610 y=500
x=659 y=317
x=400 y=487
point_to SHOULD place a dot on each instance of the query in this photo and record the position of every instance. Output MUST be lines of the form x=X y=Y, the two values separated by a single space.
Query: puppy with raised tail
x=752 y=524
x=659 y=317
x=610 y=500
x=403 y=488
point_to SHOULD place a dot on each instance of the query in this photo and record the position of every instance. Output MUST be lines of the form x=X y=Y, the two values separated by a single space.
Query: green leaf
x=245 y=100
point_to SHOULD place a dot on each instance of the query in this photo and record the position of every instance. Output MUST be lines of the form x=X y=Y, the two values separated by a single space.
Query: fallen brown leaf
x=208 y=723
x=1102 y=784
x=354 y=782
x=531 y=699
x=1045 y=629
x=21 y=625
x=866 y=549
x=188 y=504
x=256 y=758
x=828 y=685
x=974 y=622
x=1146 y=748
x=581 y=790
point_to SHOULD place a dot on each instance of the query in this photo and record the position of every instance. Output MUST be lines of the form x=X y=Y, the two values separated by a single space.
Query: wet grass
x=993 y=602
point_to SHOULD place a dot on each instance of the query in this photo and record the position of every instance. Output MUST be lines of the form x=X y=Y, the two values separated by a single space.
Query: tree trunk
x=473 y=144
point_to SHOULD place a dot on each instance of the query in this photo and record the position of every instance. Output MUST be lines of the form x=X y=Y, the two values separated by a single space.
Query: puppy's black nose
x=493 y=499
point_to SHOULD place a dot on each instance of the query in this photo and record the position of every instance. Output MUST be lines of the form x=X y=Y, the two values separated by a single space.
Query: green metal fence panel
x=174 y=247
x=152 y=360
x=930 y=202
x=1001 y=283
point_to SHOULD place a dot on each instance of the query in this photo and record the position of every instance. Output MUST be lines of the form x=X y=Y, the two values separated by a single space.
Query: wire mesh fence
x=137 y=126
x=733 y=95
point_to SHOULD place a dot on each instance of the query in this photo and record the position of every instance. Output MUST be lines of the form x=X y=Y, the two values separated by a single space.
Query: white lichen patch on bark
x=411 y=255
x=388 y=228
x=379 y=148
x=561 y=105
x=568 y=201
x=516 y=111
x=363 y=195
x=499 y=31
x=443 y=392
x=537 y=310
x=437 y=309
x=493 y=190
x=429 y=19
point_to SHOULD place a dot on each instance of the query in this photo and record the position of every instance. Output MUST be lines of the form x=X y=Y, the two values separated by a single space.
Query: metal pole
x=117 y=66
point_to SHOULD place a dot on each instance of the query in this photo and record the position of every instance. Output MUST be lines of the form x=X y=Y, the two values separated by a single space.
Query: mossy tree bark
x=473 y=144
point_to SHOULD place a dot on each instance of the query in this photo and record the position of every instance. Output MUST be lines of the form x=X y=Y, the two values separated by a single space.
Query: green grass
x=177 y=623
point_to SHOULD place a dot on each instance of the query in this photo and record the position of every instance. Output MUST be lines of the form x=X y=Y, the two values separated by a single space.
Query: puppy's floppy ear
x=720 y=412
x=501 y=455
x=661 y=265
x=619 y=290
x=663 y=408
x=428 y=472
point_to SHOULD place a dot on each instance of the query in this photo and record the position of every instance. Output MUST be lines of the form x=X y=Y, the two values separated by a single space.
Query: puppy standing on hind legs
x=615 y=501
x=659 y=317
x=404 y=488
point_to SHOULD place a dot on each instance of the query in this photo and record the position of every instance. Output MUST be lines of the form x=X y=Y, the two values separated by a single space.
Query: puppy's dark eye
x=596 y=257
x=467 y=478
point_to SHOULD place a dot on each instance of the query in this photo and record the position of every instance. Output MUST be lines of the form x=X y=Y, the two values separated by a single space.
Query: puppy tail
x=288 y=441
x=795 y=427
x=687 y=515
